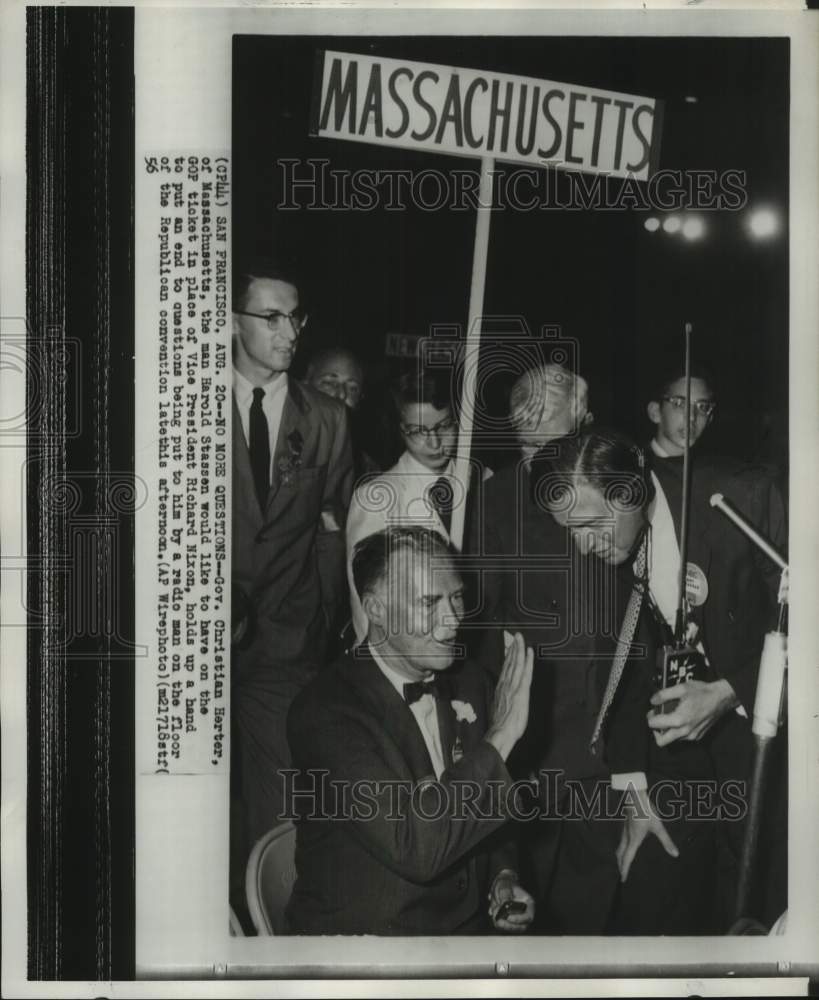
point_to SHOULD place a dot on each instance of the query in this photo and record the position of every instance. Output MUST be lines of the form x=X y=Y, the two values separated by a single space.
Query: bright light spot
x=672 y=224
x=763 y=223
x=693 y=228
x=690 y=99
x=652 y=224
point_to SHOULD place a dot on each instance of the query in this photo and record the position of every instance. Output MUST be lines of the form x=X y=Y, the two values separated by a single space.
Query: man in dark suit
x=674 y=873
x=292 y=479
x=534 y=580
x=732 y=611
x=402 y=791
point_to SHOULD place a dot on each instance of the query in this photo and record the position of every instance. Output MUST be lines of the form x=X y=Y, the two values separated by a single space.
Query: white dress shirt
x=397 y=497
x=424 y=709
x=275 y=394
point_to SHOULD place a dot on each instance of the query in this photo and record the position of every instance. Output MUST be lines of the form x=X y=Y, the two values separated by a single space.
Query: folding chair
x=271 y=872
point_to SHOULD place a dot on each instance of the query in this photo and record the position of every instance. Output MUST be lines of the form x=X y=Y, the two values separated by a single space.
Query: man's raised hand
x=510 y=712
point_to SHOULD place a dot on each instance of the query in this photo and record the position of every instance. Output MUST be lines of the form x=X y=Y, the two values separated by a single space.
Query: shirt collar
x=658 y=449
x=393 y=676
x=243 y=388
x=411 y=465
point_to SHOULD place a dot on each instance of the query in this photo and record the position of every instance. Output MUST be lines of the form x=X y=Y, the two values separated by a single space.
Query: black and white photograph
x=632 y=339
x=419 y=534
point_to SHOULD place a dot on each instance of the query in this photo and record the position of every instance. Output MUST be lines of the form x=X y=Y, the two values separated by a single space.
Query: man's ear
x=374 y=609
x=304 y=320
x=653 y=411
x=587 y=419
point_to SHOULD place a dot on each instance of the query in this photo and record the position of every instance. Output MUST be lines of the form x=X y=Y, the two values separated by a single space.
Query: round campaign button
x=696 y=585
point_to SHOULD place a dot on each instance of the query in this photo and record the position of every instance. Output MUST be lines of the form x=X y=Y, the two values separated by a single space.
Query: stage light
x=690 y=99
x=763 y=223
x=652 y=224
x=672 y=224
x=693 y=228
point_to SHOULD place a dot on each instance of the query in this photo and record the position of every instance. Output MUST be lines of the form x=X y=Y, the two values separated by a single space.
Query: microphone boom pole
x=768 y=706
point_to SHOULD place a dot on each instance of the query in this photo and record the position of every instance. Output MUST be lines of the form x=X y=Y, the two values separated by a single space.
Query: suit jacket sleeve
x=760 y=501
x=335 y=502
x=770 y=515
x=392 y=824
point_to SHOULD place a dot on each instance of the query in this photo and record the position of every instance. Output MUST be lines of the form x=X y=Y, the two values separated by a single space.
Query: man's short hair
x=264 y=267
x=600 y=456
x=372 y=555
x=670 y=372
x=422 y=385
x=559 y=390
x=323 y=354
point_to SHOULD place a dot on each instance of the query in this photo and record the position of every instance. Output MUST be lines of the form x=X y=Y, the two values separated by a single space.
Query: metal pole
x=473 y=345
x=751 y=839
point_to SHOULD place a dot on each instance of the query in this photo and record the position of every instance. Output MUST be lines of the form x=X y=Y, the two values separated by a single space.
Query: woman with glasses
x=421 y=488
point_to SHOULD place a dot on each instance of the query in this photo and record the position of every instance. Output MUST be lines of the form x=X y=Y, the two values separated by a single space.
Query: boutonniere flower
x=464 y=712
x=288 y=464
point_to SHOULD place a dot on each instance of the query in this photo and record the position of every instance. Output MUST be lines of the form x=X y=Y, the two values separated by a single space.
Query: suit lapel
x=282 y=453
x=392 y=711
x=699 y=547
x=446 y=728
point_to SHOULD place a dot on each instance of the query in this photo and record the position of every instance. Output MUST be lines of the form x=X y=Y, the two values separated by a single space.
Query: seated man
x=402 y=791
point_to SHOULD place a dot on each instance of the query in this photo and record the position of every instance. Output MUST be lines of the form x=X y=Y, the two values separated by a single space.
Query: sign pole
x=473 y=344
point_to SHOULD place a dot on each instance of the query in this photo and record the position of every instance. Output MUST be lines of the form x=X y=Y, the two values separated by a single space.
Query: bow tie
x=439 y=687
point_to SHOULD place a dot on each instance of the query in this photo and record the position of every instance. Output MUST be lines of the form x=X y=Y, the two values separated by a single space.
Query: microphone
x=719 y=501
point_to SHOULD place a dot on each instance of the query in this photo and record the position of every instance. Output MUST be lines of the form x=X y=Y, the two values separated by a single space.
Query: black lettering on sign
x=452 y=111
x=470 y=96
x=396 y=133
x=525 y=146
x=621 y=124
x=430 y=110
x=504 y=113
x=572 y=126
x=340 y=96
x=599 y=103
x=558 y=135
x=372 y=103
x=635 y=167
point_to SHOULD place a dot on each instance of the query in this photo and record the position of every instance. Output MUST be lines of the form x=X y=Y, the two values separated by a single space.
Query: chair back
x=235 y=924
x=271 y=873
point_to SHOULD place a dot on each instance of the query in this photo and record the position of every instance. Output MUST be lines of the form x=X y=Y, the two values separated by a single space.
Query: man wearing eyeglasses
x=292 y=479
x=421 y=488
x=717 y=574
x=726 y=579
x=667 y=413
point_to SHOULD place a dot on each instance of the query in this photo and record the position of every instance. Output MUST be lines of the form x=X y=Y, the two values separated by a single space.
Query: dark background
x=620 y=292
